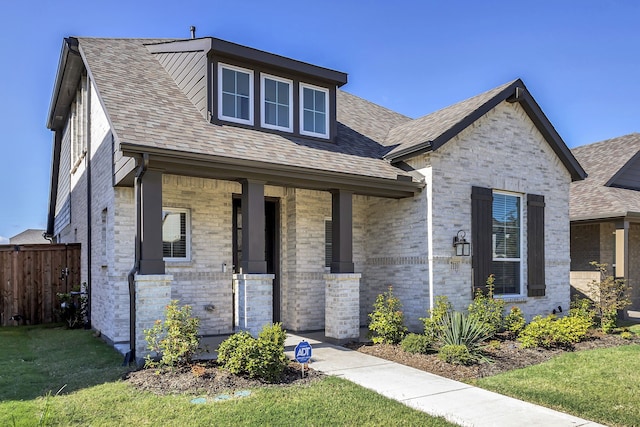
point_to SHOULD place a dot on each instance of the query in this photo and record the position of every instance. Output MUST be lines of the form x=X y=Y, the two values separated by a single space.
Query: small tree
x=386 y=324
x=609 y=295
x=176 y=339
x=487 y=309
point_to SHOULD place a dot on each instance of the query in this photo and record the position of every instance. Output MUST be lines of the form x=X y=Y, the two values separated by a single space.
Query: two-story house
x=250 y=186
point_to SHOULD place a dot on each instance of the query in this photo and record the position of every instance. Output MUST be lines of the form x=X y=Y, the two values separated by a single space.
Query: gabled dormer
x=241 y=86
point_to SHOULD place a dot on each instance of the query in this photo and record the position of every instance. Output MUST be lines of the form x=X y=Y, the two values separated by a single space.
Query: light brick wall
x=253 y=301
x=342 y=306
x=504 y=151
x=153 y=294
x=397 y=255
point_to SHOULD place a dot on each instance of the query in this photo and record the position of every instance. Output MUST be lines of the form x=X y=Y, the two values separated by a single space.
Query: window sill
x=512 y=299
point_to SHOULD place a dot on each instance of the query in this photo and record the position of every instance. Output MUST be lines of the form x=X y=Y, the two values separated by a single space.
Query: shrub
x=176 y=339
x=548 y=332
x=262 y=358
x=386 y=324
x=433 y=321
x=627 y=335
x=73 y=307
x=487 y=309
x=416 y=344
x=609 y=295
x=514 y=321
x=459 y=329
x=457 y=354
x=583 y=308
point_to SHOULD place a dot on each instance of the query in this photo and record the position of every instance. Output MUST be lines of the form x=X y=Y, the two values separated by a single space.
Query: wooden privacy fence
x=30 y=278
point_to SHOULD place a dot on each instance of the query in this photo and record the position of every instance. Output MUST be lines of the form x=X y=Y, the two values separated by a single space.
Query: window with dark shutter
x=535 y=246
x=481 y=235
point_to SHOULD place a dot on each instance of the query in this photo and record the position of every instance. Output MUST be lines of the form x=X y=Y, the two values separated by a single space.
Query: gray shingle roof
x=428 y=128
x=147 y=108
x=591 y=198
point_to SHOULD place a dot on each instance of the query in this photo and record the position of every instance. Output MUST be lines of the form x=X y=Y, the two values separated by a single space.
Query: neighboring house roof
x=430 y=132
x=28 y=237
x=611 y=164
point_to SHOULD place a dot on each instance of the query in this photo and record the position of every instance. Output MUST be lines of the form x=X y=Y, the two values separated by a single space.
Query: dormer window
x=314 y=111
x=277 y=103
x=236 y=97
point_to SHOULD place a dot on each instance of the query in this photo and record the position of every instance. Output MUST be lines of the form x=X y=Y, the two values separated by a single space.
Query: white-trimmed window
x=235 y=94
x=507 y=243
x=176 y=234
x=314 y=111
x=276 y=110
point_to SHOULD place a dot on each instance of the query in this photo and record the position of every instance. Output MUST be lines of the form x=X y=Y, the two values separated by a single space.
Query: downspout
x=89 y=203
x=131 y=354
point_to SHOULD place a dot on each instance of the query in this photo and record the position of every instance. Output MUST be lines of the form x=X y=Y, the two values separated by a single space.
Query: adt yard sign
x=303 y=352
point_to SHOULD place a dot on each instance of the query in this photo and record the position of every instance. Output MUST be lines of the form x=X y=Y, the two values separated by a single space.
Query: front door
x=271 y=239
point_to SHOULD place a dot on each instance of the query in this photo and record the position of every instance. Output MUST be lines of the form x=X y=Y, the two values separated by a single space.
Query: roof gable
x=613 y=186
x=430 y=132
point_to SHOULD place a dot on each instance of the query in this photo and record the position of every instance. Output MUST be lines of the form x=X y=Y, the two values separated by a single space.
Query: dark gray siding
x=63 y=204
x=629 y=175
x=189 y=70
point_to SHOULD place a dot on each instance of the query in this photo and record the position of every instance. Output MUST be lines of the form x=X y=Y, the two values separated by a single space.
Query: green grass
x=35 y=362
x=602 y=385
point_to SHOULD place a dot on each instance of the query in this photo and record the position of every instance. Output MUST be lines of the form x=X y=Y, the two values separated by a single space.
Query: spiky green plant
x=459 y=329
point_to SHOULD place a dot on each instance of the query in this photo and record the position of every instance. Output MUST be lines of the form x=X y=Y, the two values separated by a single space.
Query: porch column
x=622 y=250
x=151 y=261
x=253 y=287
x=253 y=223
x=342 y=306
x=342 y=232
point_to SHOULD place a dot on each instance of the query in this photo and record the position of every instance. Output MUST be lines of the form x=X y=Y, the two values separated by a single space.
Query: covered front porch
x=260 y=251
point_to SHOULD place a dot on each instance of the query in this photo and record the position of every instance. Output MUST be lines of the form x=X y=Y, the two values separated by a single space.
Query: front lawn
x=35 y=362
x=602 y=385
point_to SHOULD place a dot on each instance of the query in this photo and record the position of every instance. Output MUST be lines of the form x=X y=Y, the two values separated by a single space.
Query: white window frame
x=522 y=291
x=326 y=119
x=263 y=123
x=221 y=116
x=187 y=222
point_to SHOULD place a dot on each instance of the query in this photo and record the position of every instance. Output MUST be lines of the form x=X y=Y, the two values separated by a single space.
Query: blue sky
x=579 y=59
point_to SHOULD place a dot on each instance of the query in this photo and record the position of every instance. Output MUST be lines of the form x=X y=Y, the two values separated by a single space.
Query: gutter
x=131 y=354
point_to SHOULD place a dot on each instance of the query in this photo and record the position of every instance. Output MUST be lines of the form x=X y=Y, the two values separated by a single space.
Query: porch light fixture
x=462 y=247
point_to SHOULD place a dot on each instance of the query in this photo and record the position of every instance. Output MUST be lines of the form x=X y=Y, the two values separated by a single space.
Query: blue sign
x=303 y=352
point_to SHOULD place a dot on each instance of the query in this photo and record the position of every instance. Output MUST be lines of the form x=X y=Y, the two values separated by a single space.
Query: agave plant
x=458 y=329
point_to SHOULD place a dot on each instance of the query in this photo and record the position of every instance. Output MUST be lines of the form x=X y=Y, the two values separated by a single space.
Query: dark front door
x=271 y=238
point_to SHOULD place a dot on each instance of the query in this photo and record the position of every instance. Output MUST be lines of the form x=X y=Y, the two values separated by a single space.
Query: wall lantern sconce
x=462 y=247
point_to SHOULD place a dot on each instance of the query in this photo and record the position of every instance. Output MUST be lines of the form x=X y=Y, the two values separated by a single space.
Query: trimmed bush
x=416 y=344
x=176 y=339
x=262 y=358
x=433 y=321
x=487 y=309
x=386 y=322
x=456 y=354
x=547 y=332
x=514 y=322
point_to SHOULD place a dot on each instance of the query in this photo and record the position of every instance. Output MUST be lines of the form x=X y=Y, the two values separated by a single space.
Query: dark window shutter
x=328 y=243
x=481 y=235
x=535 y=246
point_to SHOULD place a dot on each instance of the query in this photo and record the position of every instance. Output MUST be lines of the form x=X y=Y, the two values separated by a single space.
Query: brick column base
x=153 y=294
x=253 y=301
x=342 y=306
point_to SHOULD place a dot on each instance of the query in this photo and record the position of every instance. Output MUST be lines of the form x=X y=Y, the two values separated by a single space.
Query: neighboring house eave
x=606 y=217
x=212 y=45
x=216 y=167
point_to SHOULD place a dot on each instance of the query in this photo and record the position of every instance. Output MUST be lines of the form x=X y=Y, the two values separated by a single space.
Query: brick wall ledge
x=153 y=277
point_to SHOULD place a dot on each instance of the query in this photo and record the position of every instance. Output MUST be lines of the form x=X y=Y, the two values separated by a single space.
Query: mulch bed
x=208 y=378
x=506 y=356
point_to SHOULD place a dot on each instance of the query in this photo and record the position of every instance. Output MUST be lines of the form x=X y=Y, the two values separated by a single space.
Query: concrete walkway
x=457 y=402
